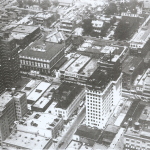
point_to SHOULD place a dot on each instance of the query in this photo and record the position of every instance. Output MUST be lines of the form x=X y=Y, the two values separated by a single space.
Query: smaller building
x=74 y=145
x=25 y=140
x=25 y=34
x=44 y=19
x=68 y=97
x=38 y=92
x=142 y=84
x=97 y=25
x=20 y=104
x=137 y=138
x=131 y=68
x=87 y=135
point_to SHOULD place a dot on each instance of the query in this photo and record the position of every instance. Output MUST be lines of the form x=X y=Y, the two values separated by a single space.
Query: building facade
x=9 y=60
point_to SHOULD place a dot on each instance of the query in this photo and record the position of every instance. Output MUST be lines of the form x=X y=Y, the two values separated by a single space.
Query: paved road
x=68 y=136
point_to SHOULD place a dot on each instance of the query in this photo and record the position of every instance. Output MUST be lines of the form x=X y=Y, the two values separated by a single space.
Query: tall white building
x=103 y=92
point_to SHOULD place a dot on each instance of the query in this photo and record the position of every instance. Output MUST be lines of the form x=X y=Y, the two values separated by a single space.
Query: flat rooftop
x=38 y=91
x=30 y=86
x=5 y=98
x=130 y=64
x=27 y=140
x=18 y=94
x=25 y=29
x=67 y=93
x=145 y=115
x=112 y=128
x=88 y=132
x=74 y=145
x=43 y=122
x=43 y=15
x=78 y=64
x=41 y=50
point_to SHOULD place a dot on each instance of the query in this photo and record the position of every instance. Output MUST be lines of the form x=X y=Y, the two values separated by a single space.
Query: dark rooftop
x=130 y=64
x=88 y=132
x=42 y=50
x=65 y=94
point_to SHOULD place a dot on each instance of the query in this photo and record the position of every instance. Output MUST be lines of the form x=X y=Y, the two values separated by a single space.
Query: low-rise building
x=37 y=92
x=74 y=145
x=97 y=25
x=41 y=56
x=136 y=138
x=131 y=68
x=68 y=97
x=142 y=84
x=26 y=140
x=25 y=34
x=78 y=69
x=44 y=19
x=87 y=135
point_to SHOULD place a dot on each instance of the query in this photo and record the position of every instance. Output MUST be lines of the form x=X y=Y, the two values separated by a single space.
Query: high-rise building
x=9 y=60
x=103 y=91
x=7 y=114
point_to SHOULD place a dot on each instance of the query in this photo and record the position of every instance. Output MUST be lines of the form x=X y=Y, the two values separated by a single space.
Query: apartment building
x=97 y=25
x=20 y=104
x=9 y=60
x=68 y=97
x=103 y=92
x=7 y=115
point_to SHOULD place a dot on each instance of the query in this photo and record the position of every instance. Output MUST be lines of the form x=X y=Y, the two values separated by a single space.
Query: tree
x=87 y=26
x=45 y=4
x=55 y=3
x=111 y=9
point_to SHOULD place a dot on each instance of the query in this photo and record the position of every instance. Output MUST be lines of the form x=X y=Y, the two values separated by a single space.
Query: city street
x=68 y=136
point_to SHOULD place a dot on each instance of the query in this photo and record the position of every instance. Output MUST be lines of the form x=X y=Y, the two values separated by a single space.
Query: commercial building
x=26 y=140
x=20 y=104
x=7 y=115
x=9 y=60
x=136 y=138
x=66 y=2
x=43 y=18
x=78 y=69
x=68 y=97
x=146 y=4
x=141 y=36
x=103 y=92
x=37 y=92
x=43 y=124
x=131 y=68
x=87 y=135
x=25 y=34
x=41 y=57
x=142 y=84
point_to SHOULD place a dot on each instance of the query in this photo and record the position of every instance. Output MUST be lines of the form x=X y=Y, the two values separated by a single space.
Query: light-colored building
x=103 y=92
x=68 y=96
x=137 y=138
x=78 y=69
x=97 y=25
x=7 y=115
x=38 y=92
x=142 y=84
x=146 y=4
x=26 y=140
x=20 y=104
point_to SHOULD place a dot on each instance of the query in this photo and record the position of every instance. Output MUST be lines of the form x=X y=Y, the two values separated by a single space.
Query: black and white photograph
x=74 y=74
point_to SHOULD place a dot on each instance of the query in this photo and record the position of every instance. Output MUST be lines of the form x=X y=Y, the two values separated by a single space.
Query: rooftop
x=27 y=140
x=25 y=29
x=38 y=91
x=130 y=64
x=18 y=94
x=112 y=129
x=41 y=50
x=67 y=92
x=88 y=132
x=30 y=86
x=44 y=15
x=145 y=115
x=5 y=98
x=74 y=145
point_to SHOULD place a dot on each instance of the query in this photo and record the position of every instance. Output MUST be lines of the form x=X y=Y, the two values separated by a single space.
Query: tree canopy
x=111 y=9
x=87 y=26
x=45 y=4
